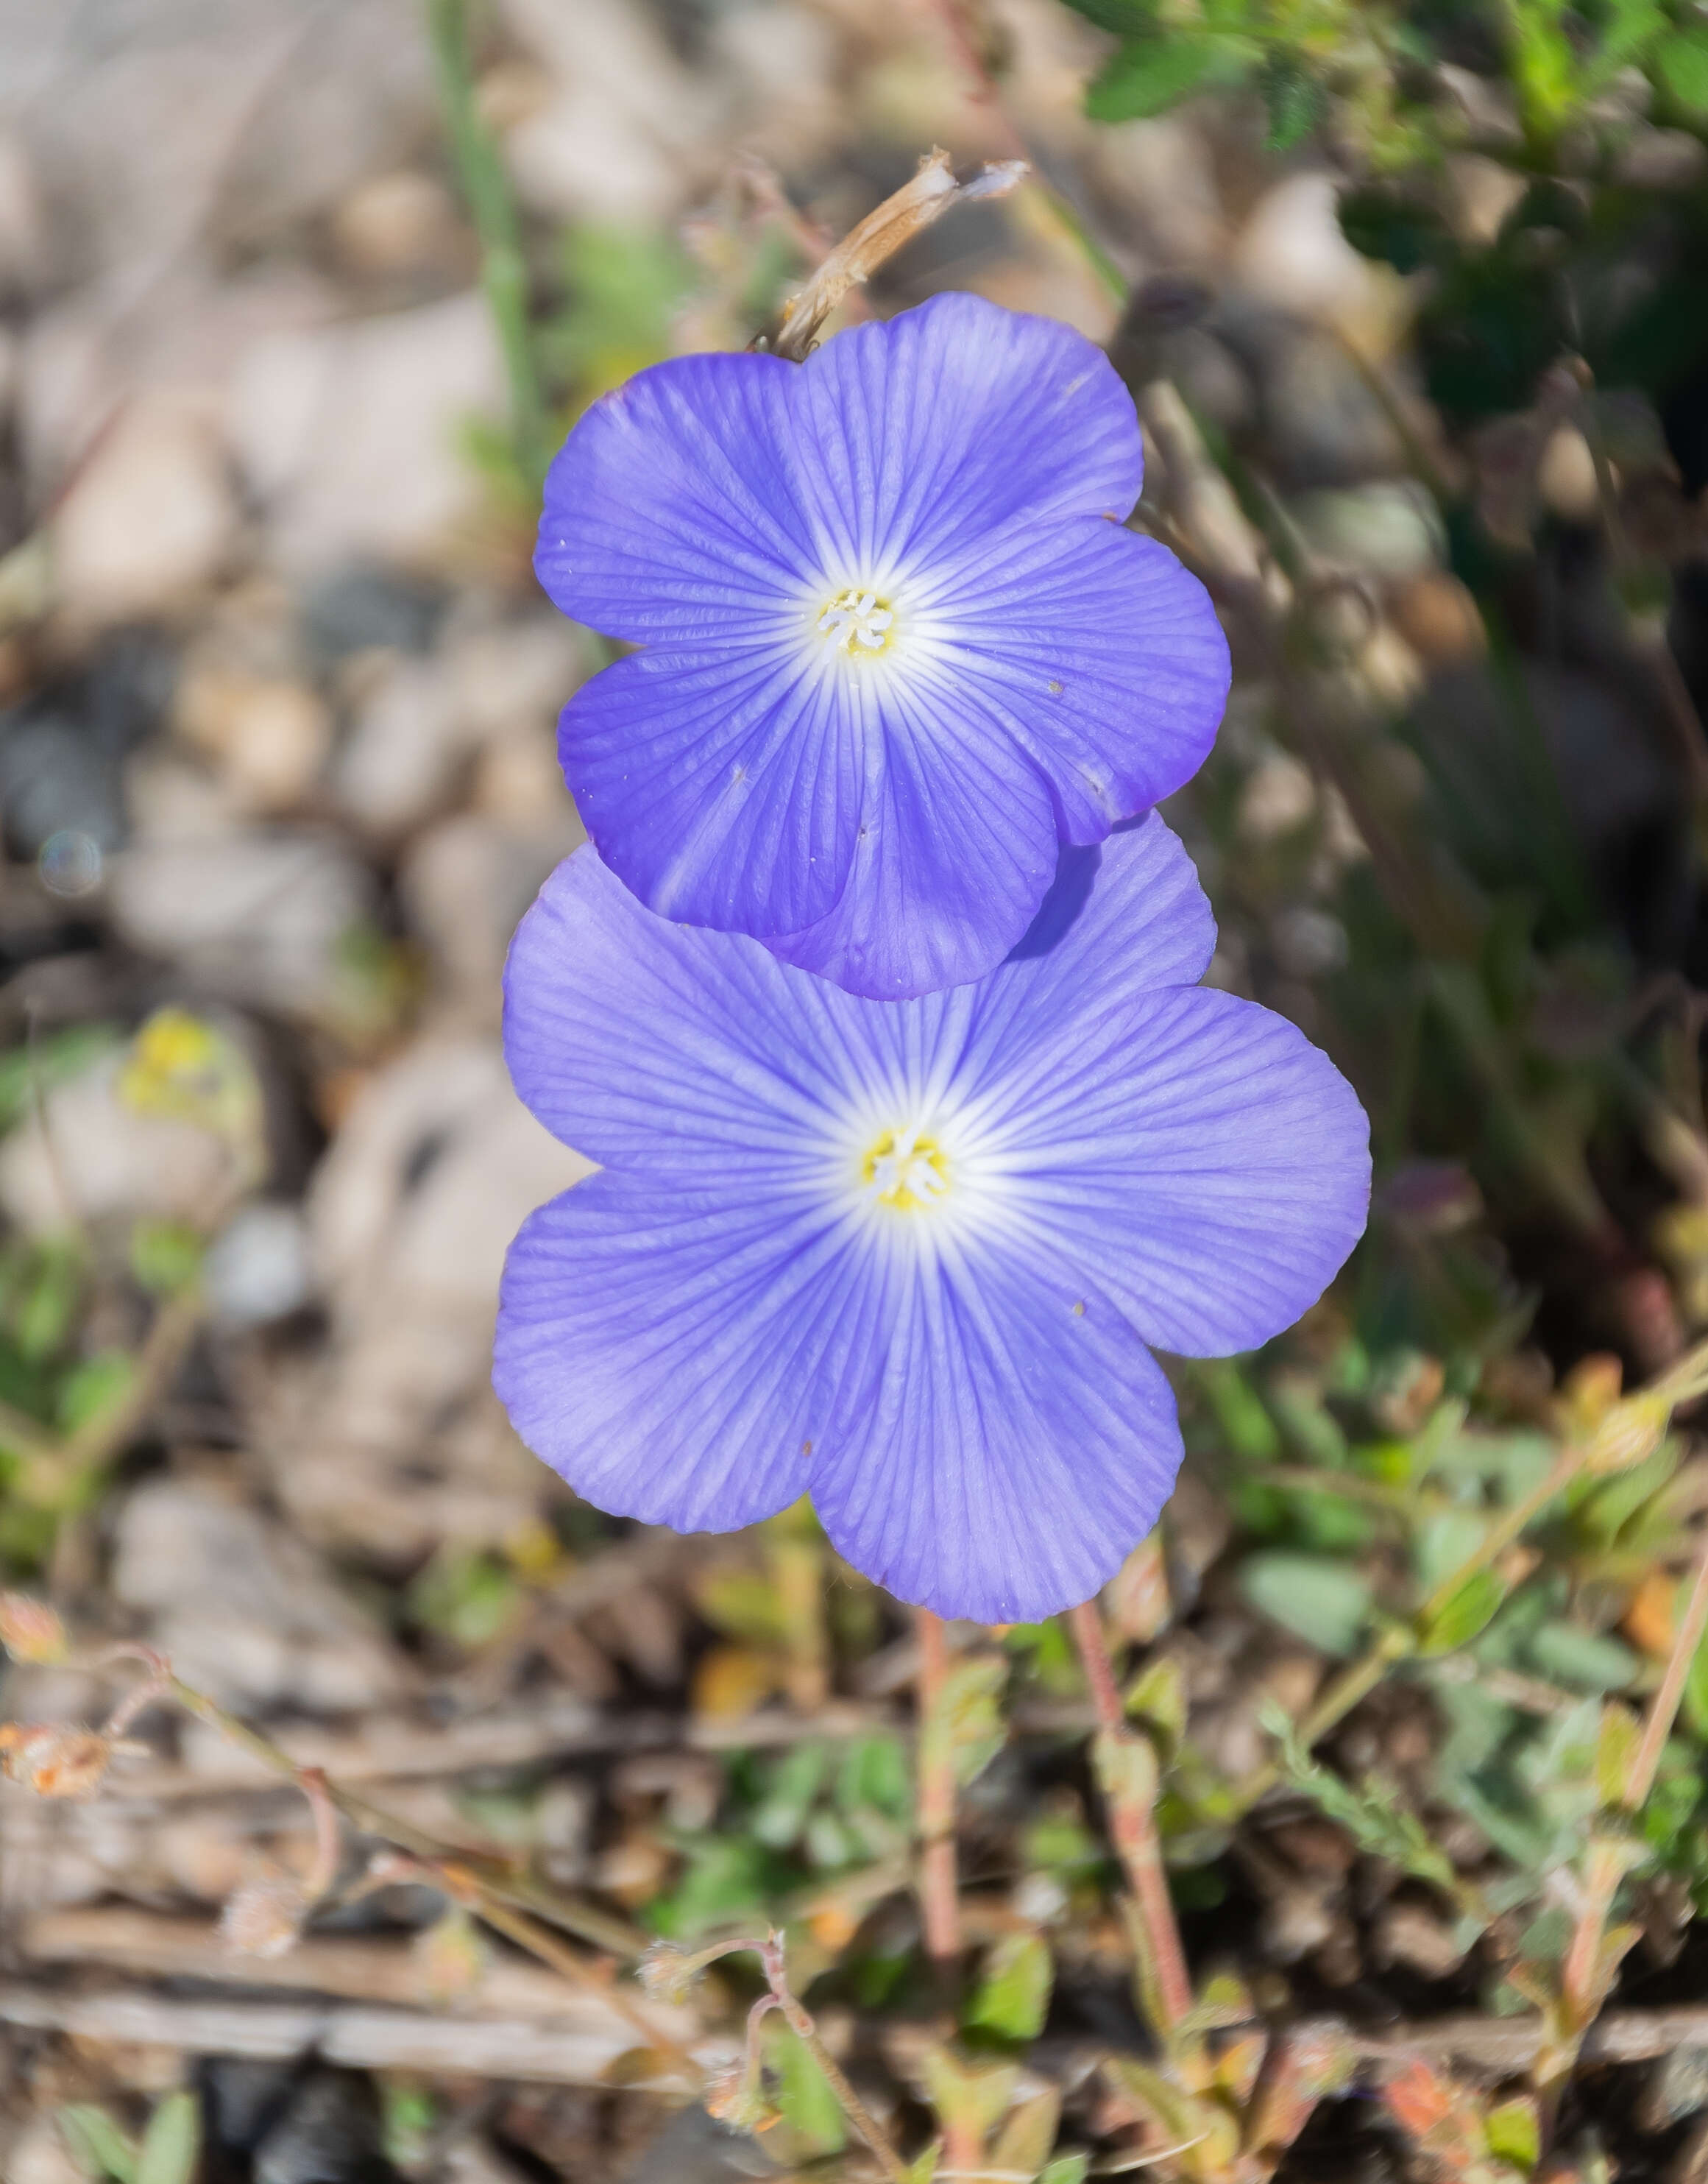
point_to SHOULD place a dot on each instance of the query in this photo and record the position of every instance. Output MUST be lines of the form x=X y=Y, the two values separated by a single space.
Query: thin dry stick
x=1133 y=1825
x=497 y=1887
x=912 y=209
x=938 y=1891
x=1587 y=1973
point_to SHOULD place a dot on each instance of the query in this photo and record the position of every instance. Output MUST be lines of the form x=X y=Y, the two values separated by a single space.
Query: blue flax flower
x=895 y=645
x=909 y=1256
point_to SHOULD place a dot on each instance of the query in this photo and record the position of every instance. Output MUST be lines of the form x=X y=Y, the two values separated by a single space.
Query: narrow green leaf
x=1148 y=75
x=1469 y=1608
x=805 y=2097
x=1128 y=19
x=1013 y=1993
x=172 y=2142
x=1324 y=1601
x=1514 y=2133
x=1066 y=2169
x=96 y=2144
x=1681 y=64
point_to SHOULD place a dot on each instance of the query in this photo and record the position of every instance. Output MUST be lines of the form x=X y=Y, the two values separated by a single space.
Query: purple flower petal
x=1211 y=1166
x=895 y=651
x=726 y=793
x=1021 y=1438
x=660 y=1351
x=1099 y=655
x=930 y=1237
x=956 y=847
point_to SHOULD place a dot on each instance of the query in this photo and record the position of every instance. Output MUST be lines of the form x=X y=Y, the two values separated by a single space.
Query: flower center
x=857 y=621
x=906 y=1170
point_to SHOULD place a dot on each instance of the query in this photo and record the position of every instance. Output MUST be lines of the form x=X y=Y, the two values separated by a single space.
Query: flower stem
x=1589 y=1966
x=939 y=1891
x=1126 y=1773
x=853 y=2107
x=504 y=269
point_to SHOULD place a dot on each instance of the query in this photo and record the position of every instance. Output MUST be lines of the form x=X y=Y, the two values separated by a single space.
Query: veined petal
x=1019 y=1438
x=1122 y=916
x=643 y=1043
x=673 y=511
x=955 y=418
x=666 y=1352
x=1200 y=1159
x=723 y=790
x=957 y=847
x=1098 y=654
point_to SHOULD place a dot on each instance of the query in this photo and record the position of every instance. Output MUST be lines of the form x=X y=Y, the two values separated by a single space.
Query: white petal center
x=857 y=621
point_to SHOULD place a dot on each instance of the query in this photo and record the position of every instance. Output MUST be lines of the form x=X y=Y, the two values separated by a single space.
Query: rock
x=608 y=145
x=258 y=1269
x=149 y=520
x=348 y=435
x=396 y=224
x=1162 y=172
x=1320 y=424
x=1292 y=255
x=1480 y=193
x=1566 y=477
x=1390 y=528
x=255 y=915
x=465 y=885
x=410 y=1215
x=113 y=1163
x=61 y=751
x=22 y=228
x=330 y=2132
x=1279 y=796
x=268 y=735
x=402 y=750
x=362 y=608
x=1660 y=160
x=242 y=1607
x=513 y=676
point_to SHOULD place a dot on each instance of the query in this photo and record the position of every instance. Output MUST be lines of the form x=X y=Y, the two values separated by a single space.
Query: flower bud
x=54 y=1759
x=1627 y=1433
x=263 y=1918
x=30 y=1630
x=666 y=1972
x=736 y=2096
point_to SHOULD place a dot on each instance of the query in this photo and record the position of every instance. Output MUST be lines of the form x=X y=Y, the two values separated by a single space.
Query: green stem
x=504 y=268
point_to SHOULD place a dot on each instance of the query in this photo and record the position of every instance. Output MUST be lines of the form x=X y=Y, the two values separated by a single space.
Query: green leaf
x=1149 y=75
x=172 y=2143
x=969 y=2097
x=1066 y=2169
x=1514 y=2134
x=1681 y=64
x=1585 y=1660
x=1128 y=19
x=1013 y=1993
x=803 y=2094
x=1322 y=1601
x=966 y=1725
x=96 y=2143
x=1293 y=99
x=165 y=1256
x=1469 y=1608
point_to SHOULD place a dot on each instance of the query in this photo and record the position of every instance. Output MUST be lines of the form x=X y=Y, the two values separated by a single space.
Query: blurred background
x=296 y=297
